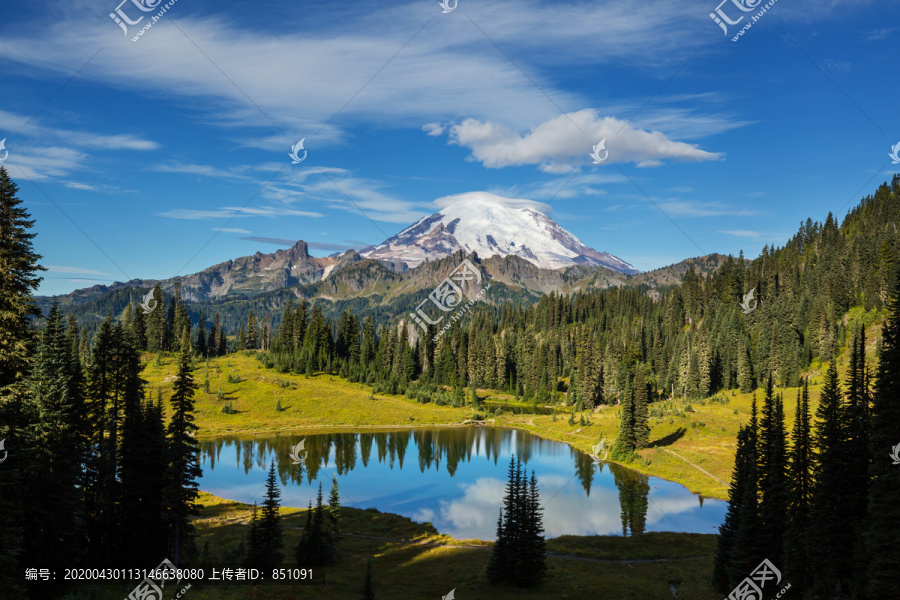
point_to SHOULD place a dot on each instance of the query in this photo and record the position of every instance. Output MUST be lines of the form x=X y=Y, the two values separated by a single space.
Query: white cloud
x=433 y=128
x=236 y=212
x=692 y=208
x=74 y=270
x=743 y=233
x=231 y=230
x=82 y=139
x=446 y=201
x=564 y=142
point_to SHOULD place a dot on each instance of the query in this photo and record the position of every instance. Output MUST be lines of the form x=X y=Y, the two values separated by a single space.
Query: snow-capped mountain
x=488 y=224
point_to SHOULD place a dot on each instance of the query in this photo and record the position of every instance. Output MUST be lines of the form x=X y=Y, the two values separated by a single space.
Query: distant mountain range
x=523 y=252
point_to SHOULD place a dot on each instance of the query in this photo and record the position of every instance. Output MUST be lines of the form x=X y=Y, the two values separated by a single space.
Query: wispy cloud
x=73 y=270
x=879 y=34
x=692 y=208
x=202 y=170
x=335 y=247
x=743 y=233
x=231 y=230
x=236 y=212
x=270 y=240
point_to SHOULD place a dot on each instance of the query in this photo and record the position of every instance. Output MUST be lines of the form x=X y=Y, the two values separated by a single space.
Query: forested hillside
x=689 y=340
x=694 y=340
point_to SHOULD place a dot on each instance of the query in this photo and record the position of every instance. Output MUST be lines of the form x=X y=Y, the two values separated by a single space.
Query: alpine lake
x=455 y=478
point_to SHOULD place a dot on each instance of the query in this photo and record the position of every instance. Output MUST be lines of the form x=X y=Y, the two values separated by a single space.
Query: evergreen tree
x=519 y=555
x=183 y=451
x=773 y=471
x=744 y=455
x=748 y=550
x=626 y=442
x=640 y=421
x=315 y=546
x=52 y=515
x=212 y=340
x=796 y=549
x=157 y=334
x=533 y=553
x=882 y=550
x=201 y=336
x=334 y=513
x=18 y=281
x=830 y=535
x=251 y=342
x=265 y=545
x=498 y=564
x=139 y=327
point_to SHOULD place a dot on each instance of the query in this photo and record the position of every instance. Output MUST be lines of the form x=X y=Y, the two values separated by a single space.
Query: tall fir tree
x=201 y=335
x=796 y=541
x=251 y=341
x=773 y=473
x=181 y=491
x=882 y=552
x=748 y=550
x=266 y=543
x=53 y=523
x=640 y=409
x=830 y=534
x=722 y=578
x=19 y=280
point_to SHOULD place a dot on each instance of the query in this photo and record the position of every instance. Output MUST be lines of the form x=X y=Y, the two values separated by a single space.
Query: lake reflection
x=455 y=478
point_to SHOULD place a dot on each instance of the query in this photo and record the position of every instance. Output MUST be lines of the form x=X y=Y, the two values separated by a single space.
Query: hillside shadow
x=669 y=439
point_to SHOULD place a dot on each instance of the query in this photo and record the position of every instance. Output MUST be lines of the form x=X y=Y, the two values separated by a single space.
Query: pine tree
x=212 y=340
x=796 y=548
x=251 y=342
x=748 y=549
x=334 y=513
x=830 y=534
x=625 y=444
x=139 y=327
x=18 y=281
x=744 y=455
x=773 y=470
x=254 y=541
x=498 y=564
x=52 y=515
x=201 y=336
x=157 y=335
x=533 y=555
x=882 y=550
x=265 y=544
x=519 y=554
x=640 y=410
x=858 y=406
x=315 y=547
x=183 y=451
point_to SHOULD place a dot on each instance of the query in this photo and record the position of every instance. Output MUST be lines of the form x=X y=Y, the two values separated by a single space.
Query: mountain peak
x=492 y=225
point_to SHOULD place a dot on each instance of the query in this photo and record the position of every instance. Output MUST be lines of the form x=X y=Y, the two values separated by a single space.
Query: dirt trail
x=695 y=466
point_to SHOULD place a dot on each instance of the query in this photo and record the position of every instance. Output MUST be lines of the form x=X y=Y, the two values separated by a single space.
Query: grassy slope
x=429 y=565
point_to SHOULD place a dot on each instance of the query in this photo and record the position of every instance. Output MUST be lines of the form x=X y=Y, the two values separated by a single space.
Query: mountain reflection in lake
x=455 y=478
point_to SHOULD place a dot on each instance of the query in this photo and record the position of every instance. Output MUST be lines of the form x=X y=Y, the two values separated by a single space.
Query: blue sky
x=136 y=157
